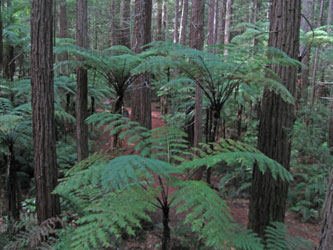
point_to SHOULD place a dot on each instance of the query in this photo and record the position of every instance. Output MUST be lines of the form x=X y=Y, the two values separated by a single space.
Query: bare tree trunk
x=12 y=185
x=326 y=237
x=216 y=20
x=221 y=25
x=141 y=102
x=159 y=35
x=62 y=29
x=45 y=160
x=82 y=82
x=255 y=11
x=1 y=39
x=176 y=23
x=115 y=22
x=196 y=42
x=211 y=18
x=183 y=22
x=268 y=195
x=125 y=24
x=315 y=63
x=227 y=21
x=165 y=20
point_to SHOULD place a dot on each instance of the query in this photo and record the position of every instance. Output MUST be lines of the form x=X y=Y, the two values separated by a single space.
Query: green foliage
x=30 y=235
x=278 y=239
x=233 y=152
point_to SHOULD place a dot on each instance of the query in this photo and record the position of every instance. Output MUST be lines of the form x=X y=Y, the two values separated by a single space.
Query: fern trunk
x=12 y=192
x=268 y=195
x=166 y=229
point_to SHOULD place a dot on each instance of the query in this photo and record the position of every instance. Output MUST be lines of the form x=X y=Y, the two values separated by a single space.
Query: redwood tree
x=141 y=101
x=268 y=195
x=81 y=82
x=183 y=23
x=196 y=42
x=43 y=122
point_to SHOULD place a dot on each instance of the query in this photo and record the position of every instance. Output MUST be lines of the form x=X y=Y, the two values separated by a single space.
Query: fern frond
x=207 y=213
x=233 y=152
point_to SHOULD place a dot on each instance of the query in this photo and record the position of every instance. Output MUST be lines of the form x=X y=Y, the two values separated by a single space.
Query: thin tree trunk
x=196 y=42
x=43 y=123
x=221 y=25
x=176 y=23
x=326 y=237
x=125 y=24
x=211 y=18
x=12 y=188
x=115 y=22
x=81 y=106
x=62 y=29
x=268 y=195
x=165 y=20
x=228 y=21
x=255 y=11
x=316 y=63
x=183 y=22
x=1 y=39
x=141 y=102
x=159 y=35
x=216 y=20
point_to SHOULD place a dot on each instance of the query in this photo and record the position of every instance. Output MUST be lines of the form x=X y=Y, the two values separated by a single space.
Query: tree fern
x=232 y=152
x=277 y=238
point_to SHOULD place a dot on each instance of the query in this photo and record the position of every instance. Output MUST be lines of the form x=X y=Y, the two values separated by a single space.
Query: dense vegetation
x=132 y=182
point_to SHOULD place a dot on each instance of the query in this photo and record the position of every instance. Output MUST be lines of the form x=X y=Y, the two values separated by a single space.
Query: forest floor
x=239 y=208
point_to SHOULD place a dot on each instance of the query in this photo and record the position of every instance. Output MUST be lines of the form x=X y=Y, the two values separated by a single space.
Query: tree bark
x=228 y=14
x=62 y=29
x=268 y=196
x=159 y=32
x=115 y=22
x=316 y=63
x=176 y=23
x=221 y=24
x=183 y=22
x=43 y=122
x=141 y=102
x=1 y=39
x=125 y=24
x=81 y=106
x=165 y=20
x=211 y=18
x=196 y=42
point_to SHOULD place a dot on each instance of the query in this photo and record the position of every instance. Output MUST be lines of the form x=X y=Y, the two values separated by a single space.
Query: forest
x=166 y=124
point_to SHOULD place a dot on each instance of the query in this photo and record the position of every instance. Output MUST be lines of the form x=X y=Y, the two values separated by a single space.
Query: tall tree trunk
x=1 y=39
x=211 y=18
x=326 y=237
x=316 y=63
x=81 y=106
x=43 y=123
x=255 y=11
x=159 y=31
x=196 y=42
x=115 y=22
x=307 y=10
x=125 y=24
x=141 y=102
x=183 y=22
x=221 y=25
x=228 y=14
x=176 y=23
x=62 y=29
x=165 y=20
x=216 y=20
x=268 y=196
